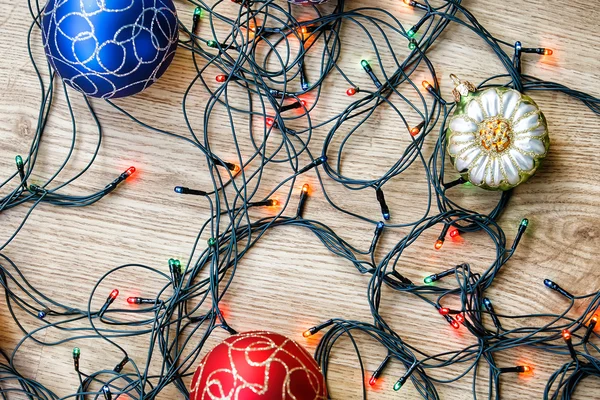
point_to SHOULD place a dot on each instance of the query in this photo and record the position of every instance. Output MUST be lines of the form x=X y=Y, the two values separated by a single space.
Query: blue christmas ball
x=110 y=48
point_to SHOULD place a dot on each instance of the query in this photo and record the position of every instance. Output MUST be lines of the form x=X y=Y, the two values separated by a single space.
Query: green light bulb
x=468 y=184
x=19 y=161
x=411 y=34
x=397 y=386
x=412 y=45
x=198 y=12
x=212 y=241
x=428 y=280
x=524 y=222
x=211 y=43
x=364 y=63
x=76 y=352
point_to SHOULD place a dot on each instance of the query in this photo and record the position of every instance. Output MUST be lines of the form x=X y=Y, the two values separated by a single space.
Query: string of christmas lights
x=268 y=54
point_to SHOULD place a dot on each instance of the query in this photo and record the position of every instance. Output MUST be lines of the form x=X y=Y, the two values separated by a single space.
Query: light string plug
x=315 y=163
x=76 y=356
x=436 y=277
x=367 y=67
x=590 y=328
x=431 y=90
x=21 y=170
x=377 y=373
x=140 y=300
x=109 y=300
x=385 y=210
x=303 y=81
x=106 y=392
x=568 y=338
x=538 y=50
x=400 y=382
x=411 y=33
x=378 y=231
x=404 y=280
x=295 y=105
x=43 y=313
x=198 y=12
x=416 y=4
x=520 y=369
x=453 y=323
x=517 y=56
x=302 y=202
x=415 y=130
x=442 y=237
x=186 y=190
x=492 y=312
x=113 y=185
x=311 y=331
x=459 y=181
x=522 y=228
x=265 y=203
x=229 y=329
x=229 y=165
x=119 y=367
x=552 y=285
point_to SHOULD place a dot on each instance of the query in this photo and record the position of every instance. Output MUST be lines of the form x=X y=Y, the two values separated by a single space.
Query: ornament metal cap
x=461 y=88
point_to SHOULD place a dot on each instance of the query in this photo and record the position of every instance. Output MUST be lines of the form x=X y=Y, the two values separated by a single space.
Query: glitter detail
x=262 y=365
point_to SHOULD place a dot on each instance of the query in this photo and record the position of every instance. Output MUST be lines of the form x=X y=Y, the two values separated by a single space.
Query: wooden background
x=290 y=281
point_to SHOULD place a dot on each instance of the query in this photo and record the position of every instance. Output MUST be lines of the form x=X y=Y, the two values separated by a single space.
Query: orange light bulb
x=307 y=333
x=526 y=368
x=427 y=85
x=548 y=52
x=566 y=334
x=438 y=244
x=415 y=131
x=305 y=188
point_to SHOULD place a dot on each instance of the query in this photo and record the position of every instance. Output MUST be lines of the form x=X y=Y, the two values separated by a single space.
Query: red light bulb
x=444 y=311
x=455 y=324
x=221 y=78
x=132 y=300
x=373 y=381
x=454 y=233
x=113 y=295
x=351 y=91
x=566 y=334
x=270 y=122
x=129 y=171
x=303 y=102
x=460 y=318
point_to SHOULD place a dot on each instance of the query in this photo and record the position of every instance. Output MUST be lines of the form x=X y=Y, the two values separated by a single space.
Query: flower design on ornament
x=497 y=138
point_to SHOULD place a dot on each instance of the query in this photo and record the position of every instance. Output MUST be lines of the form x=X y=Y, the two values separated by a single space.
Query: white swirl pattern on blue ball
x=110 y=48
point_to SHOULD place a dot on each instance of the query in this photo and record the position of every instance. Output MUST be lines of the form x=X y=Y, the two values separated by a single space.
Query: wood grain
x=289 y=281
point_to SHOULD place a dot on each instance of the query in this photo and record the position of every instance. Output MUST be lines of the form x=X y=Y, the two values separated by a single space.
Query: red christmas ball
x=258 y=366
